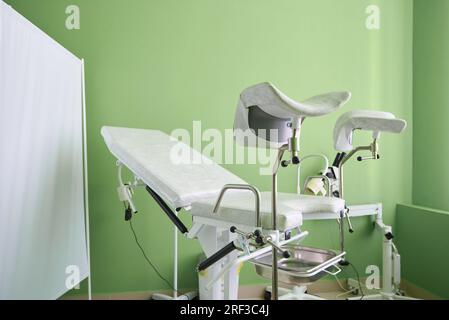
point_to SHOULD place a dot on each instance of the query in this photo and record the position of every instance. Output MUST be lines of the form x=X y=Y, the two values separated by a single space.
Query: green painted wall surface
x=162 y=64
x=422 y=229
x=422 y=241
x=431 y=104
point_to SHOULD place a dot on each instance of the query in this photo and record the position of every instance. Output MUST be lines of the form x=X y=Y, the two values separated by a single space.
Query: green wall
x=431 y=104
x=422 y=226
x=422 y=241
x=161 y=64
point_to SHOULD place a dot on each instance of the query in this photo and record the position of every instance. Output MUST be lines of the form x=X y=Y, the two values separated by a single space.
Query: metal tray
x=306 y=264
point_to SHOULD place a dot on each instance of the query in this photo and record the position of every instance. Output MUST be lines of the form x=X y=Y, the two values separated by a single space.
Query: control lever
x=256 y=235
x=217 y=256
x=242 y=239
x=244 y=234
x=351 y=229
x=284 y=253
x=346 y=214
x=261 y=240
x=373 y=157
x=374 y=148
x=294 y=160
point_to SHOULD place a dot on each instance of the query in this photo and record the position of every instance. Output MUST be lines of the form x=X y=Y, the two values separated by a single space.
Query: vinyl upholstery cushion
x=155 y=157
x=149 y=155
x=368 y=120
x=238 y=207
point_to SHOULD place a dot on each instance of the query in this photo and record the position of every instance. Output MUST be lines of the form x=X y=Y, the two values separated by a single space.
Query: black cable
x=358 y=279
x=149 y=261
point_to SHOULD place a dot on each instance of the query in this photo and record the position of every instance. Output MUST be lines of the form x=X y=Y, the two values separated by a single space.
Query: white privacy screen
x=42 y=230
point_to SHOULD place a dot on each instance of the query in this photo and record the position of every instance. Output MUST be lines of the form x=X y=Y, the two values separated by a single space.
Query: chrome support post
x=274 y=275
x=274 y=280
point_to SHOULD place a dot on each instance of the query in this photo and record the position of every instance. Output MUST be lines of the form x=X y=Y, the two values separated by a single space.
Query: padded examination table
x=152 y=156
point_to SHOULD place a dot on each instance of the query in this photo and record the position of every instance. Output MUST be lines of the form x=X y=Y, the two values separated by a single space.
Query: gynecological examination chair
x=232 y=220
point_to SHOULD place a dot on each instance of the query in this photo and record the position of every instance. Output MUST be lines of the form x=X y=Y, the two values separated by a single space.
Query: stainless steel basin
x=306 y=264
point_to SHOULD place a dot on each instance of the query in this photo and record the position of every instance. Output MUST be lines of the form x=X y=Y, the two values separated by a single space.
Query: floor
x=327 y=289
